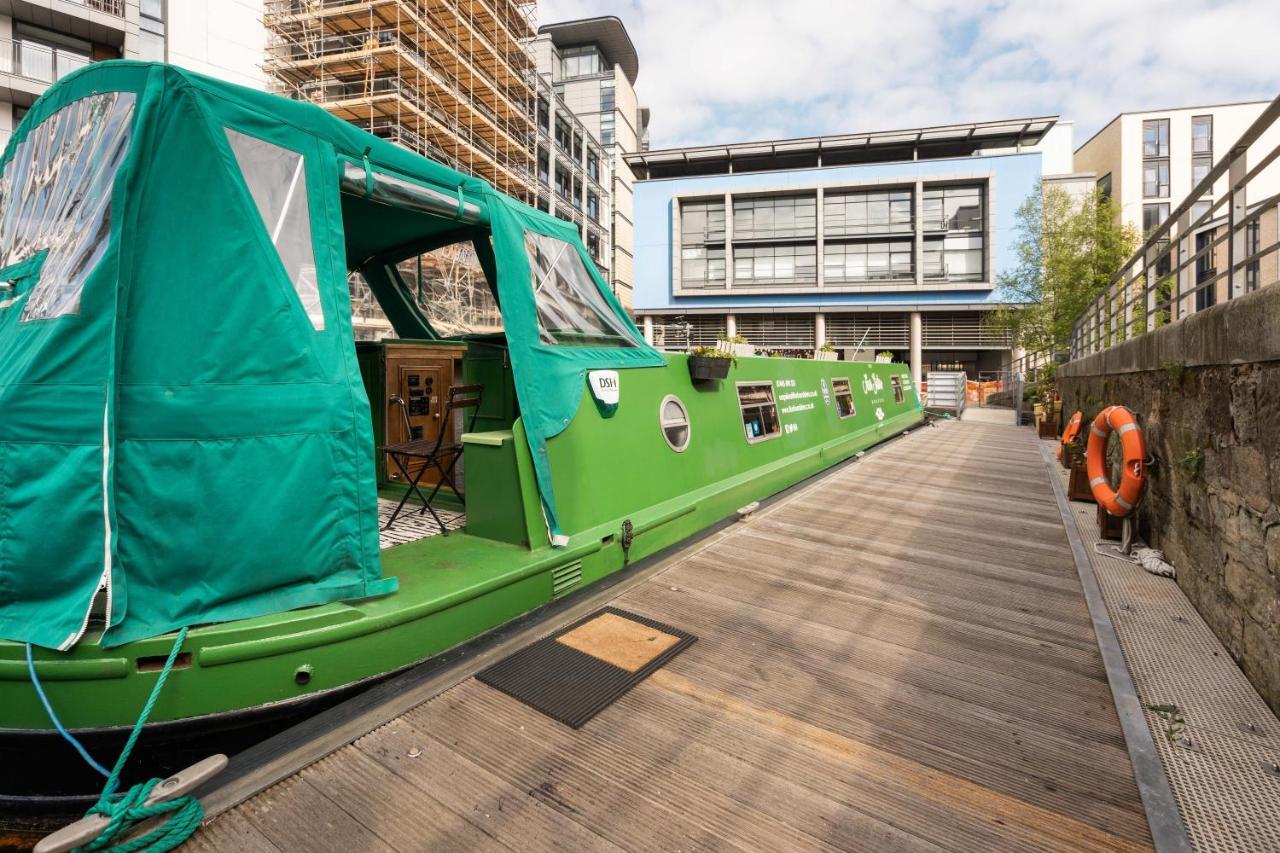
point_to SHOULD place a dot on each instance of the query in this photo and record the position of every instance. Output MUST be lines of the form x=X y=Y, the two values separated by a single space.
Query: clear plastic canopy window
x=277 y=180
x=451 y=290
x=55 y=194
x=571 y=309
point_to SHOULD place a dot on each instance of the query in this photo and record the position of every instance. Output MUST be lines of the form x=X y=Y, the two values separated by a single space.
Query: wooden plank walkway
x=896 y=657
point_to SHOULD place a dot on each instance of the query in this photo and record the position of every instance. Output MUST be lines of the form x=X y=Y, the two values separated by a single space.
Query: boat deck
x=897 y=655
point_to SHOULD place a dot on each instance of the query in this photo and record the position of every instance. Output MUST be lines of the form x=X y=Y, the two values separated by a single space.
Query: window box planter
x=705 y=368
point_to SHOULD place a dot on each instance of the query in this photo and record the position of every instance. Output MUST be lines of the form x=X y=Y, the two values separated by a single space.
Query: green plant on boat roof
x=885 y=354
x=713 y=352
x=827 y=347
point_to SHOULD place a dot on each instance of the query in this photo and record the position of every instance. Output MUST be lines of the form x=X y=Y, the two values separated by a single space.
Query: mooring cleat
x=89 y=827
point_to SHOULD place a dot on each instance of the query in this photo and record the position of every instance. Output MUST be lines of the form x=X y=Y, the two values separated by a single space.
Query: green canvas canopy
x=183 y=425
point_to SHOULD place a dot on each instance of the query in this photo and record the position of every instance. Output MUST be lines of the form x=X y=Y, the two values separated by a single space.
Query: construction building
x=449 y=79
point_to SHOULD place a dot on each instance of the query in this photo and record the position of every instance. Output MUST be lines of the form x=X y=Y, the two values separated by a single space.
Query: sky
x=716 y=71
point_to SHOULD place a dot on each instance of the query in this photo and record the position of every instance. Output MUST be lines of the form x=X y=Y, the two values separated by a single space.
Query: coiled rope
x=128 y=809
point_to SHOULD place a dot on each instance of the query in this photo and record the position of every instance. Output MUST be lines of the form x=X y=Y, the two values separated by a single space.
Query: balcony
x=39 y=62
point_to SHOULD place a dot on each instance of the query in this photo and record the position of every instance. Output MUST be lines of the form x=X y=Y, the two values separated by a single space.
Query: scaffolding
x=452 y=80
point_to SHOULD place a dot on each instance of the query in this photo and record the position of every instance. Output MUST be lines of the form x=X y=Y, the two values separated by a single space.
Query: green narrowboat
x=189 y=433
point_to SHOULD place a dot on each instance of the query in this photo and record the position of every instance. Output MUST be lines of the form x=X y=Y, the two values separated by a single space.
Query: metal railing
x=38 y=62
x=1207 y=251
x=111 y=7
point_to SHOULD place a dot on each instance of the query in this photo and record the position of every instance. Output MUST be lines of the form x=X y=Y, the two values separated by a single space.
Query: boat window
x=55 y=194
x=451 y=290
x=844 y=398
x=571 y=309
x=675 y=423
x=896 y=382
x=277 y=180
x=759 y=411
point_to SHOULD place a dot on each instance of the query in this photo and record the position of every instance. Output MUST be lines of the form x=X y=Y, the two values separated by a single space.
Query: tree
x=1068 y=248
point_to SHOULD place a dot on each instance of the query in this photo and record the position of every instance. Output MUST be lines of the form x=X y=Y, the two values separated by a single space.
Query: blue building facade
x=870 y=243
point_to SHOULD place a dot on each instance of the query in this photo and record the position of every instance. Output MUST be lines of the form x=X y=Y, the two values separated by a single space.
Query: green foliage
x=885 y=354
x=735 y=339
x=826 y=347
x=1067 y=251
x=1175 y=369
x=713 y=352
x=1192 y=462
x=1174 y=723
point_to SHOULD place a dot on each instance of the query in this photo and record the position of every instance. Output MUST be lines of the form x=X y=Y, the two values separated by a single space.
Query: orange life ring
x=1071 y=432
x=1134 y=470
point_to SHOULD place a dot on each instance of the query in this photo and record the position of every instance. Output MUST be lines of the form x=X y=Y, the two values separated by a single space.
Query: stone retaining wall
x=1208 y=392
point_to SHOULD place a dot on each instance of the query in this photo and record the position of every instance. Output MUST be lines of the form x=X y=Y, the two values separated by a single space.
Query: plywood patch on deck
x=625 y=643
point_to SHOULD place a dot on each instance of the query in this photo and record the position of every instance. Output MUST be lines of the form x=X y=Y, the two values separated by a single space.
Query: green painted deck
x=895 y=656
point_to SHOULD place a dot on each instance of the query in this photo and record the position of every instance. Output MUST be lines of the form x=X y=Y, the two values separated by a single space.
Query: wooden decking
x=896 y=657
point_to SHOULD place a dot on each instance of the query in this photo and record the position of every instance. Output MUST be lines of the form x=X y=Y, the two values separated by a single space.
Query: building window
x=606 y=128
x=1200 y=166
x=843 y=394
x=842 y=262
x=1104 y=185
x=775 y=217
x=1252 y=243
x=702 y=221
x=576 y=198
x=564 y=187
x=577 y=147
x=956 y=258
x=151 y=40
x=759 y=412
x=952 y=208
x=563 y=138
x=1205 y=271
x=1202 y=135
x=580 y=61
x=775 y=264
x=544 y=166
x=1155 y=178
x=44 y=55
x=593 y=205
x=606 y=96
x=857 y=213
x=593 y=246
x=702 y=267
x=544 y=114
x=674 y=420
x=1152 y=216
x=1155 y=137
x=896 y=383
x=1155 y=154
x=593 y=165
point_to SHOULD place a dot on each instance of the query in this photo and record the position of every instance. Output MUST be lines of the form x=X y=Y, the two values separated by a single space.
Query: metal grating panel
x=881 y=330
x=778 y=331
x=1220 y=766
x=565 y=578
x=685 y=333
x=962 y=331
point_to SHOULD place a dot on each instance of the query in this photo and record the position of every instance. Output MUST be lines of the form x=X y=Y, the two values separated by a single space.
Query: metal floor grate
x=1221 y=766
x=410 y=527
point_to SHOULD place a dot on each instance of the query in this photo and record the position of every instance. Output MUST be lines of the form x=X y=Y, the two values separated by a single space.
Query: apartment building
x=872 y=242
x=592 y=65
x=1148 y=162
x=574 y=173
x=42 y=40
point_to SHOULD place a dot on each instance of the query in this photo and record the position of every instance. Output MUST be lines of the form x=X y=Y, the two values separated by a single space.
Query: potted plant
x=709 y=363
x=885 y=357
x=826 y=352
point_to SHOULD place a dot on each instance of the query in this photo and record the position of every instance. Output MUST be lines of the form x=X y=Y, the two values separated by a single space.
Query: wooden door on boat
x=420 y=375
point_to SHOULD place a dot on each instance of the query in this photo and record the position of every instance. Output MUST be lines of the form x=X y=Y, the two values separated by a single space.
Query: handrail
x=1179 y=269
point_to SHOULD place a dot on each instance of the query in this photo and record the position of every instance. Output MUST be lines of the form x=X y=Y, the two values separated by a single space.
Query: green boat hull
x=614 y=471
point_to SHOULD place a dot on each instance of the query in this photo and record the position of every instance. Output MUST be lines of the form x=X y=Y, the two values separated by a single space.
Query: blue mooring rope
x=185 y=813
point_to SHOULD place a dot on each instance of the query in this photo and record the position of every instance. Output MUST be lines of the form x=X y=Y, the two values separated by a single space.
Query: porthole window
x=675 y=423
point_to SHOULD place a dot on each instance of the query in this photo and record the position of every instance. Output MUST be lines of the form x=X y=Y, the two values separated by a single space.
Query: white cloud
x=732 y=70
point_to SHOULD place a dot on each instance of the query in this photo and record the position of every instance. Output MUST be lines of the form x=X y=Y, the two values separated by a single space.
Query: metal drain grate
x=1221 y=768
